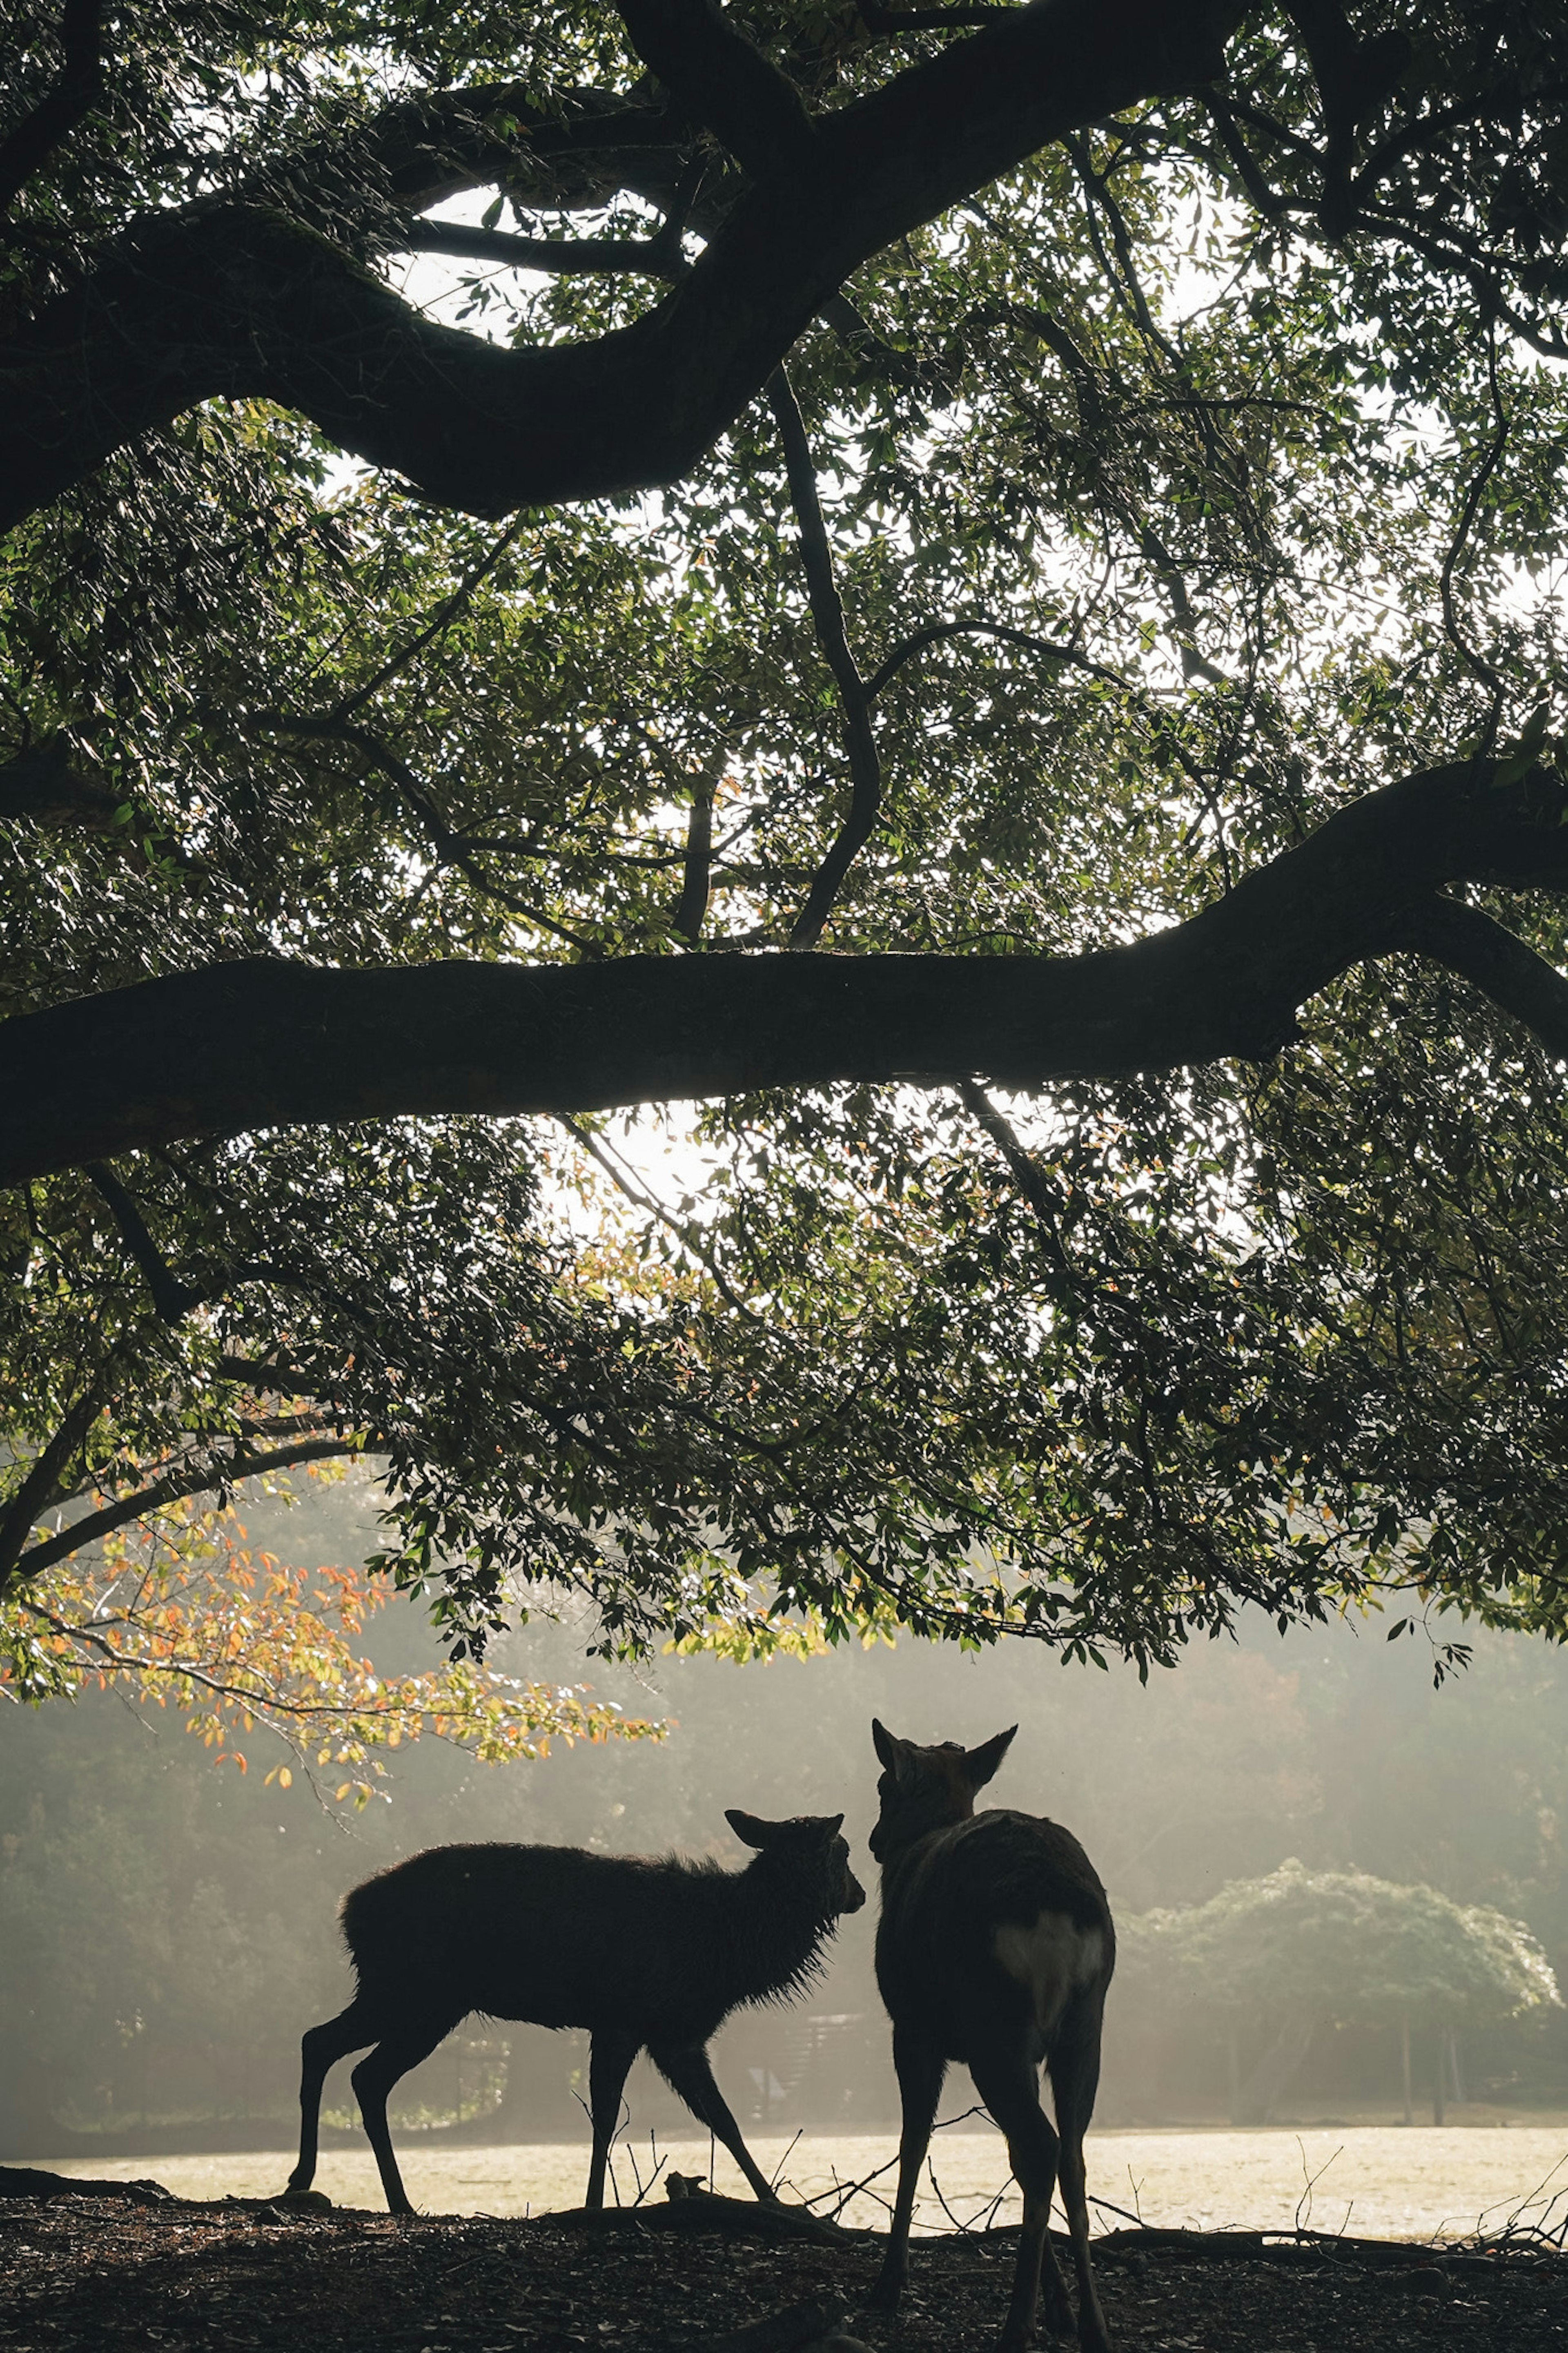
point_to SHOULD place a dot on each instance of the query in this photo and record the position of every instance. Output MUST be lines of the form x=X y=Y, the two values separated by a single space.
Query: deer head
x=923 y=1789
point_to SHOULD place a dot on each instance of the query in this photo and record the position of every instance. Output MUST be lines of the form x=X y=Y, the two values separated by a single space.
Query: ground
x=101 y=2272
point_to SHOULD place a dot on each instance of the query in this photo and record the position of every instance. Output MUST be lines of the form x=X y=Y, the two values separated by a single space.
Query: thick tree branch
x=242 y=1046
x=46 y=1481
x=57 y=115
x=231 y=300
x=697 y=863
x=1501 y=964
x=706 y=63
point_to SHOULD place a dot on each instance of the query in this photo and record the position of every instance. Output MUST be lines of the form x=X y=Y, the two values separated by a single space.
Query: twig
x=1475 y=661
x=773 y=2177
x=446 y=612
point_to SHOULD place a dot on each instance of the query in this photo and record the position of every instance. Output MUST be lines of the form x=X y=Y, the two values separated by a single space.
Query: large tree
x=972 y=587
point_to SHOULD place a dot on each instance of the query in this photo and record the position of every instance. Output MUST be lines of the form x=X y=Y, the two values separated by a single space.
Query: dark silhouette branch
x=708 y=64
x=76 y=87
x=935 y=632
x=1495 y=960
x=696 y=864
x=45 y=1482
x=449 y=848
x=236 y=1047
x=832 y=635
x=209 y=1477
x=173 y=1299
x=230 y=298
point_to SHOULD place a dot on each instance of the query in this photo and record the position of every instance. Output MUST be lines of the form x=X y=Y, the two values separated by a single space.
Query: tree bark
x=230 y=298
x=257 y=1044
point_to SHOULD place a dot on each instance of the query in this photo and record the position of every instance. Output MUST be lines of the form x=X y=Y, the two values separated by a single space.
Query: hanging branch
x=696 y=883
x=173 y=1299
x=827 y=617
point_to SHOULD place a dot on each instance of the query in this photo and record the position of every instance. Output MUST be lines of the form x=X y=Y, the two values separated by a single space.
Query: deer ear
x=748 y=1828
x=832 y=1826
x=982 y=1762
x=886 y=1746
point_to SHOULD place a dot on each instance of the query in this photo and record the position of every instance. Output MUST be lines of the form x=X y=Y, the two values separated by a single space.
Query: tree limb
x=208 y=1476
x=226 y=299
x=80 y=80
x=832 y=635
x=173 y=1299
x=234 y=1047
x=706 y=62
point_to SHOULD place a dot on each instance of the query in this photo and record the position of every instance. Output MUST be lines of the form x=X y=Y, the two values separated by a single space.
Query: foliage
x=191 y=1617
x=1347 y=1948
x=1183 y=486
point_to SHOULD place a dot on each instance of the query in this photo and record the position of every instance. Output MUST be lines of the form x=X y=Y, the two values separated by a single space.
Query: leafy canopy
x=1152 y=501
x=1342 y=1946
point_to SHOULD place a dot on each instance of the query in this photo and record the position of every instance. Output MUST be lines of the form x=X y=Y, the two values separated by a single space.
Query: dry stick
x=784 y=2159
x=827 y=617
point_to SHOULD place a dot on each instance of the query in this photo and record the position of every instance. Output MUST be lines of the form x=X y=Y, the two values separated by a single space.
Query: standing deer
x=994 y=1947
x=647 y=1954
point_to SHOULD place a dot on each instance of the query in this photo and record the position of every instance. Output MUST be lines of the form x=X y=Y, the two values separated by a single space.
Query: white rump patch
x=1053 y=1959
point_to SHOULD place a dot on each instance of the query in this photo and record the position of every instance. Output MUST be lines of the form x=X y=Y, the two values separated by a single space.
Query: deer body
x=645 y=1954
x=996 y=1948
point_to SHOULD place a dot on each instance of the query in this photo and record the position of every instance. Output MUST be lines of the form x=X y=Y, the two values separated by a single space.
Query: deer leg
x=1007 y=2082
x=373 y=2080
x=920 y=2069
x=686 y=2069
x=320 y=2050
x=1075 y=2078
x=610 y=2056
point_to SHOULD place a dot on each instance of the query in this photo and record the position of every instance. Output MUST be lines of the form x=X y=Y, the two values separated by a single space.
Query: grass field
x=1420 y=2182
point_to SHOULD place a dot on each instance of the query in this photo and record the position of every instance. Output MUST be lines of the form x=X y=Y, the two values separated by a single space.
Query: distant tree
x=1300 y=1949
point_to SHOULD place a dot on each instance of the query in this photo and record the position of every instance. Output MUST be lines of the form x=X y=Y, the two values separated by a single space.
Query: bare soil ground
x=100 y=2273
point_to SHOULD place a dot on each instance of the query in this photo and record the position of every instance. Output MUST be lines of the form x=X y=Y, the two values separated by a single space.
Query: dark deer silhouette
x=647 y=1954
x=996 y=1948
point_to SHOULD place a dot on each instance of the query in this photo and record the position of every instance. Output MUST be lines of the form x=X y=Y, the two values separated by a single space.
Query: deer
x=994 y=1946
x=648 y=1953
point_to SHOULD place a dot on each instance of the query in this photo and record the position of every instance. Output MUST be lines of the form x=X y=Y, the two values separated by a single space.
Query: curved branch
x=57 y=115
x=236 y=1047
x=231 y=300
x=1497 y=962
x=210 y=1476
x=706 y=62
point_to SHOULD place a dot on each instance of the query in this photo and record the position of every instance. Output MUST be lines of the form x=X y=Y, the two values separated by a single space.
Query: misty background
x=168 y=1928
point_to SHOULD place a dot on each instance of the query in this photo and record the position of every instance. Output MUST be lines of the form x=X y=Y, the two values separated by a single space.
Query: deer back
x=560 y=1936
x=1002 y=1892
